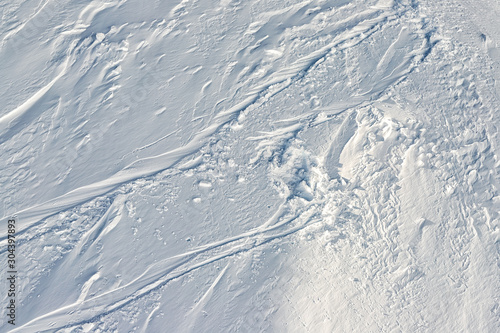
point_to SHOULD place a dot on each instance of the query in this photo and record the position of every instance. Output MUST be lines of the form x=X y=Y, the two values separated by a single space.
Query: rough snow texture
x=252 y=166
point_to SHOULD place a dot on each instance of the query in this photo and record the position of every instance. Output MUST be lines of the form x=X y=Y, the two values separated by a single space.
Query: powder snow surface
x=251 y=166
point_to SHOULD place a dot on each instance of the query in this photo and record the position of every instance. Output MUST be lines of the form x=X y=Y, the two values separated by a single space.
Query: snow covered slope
x=251 y=166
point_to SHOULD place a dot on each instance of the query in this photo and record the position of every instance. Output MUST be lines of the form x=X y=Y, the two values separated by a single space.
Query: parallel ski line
x=154 y=277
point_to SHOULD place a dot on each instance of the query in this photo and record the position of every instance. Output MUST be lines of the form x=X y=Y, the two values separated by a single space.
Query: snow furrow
x=157 y=275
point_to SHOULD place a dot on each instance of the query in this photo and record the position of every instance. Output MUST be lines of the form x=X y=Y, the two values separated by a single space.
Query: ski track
x=85 y=310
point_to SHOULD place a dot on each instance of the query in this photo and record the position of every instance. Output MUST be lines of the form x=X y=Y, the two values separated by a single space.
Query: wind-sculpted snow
x=261 y=166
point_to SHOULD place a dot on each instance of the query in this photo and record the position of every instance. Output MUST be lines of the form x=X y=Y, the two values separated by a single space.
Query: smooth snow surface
x=252 y=166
